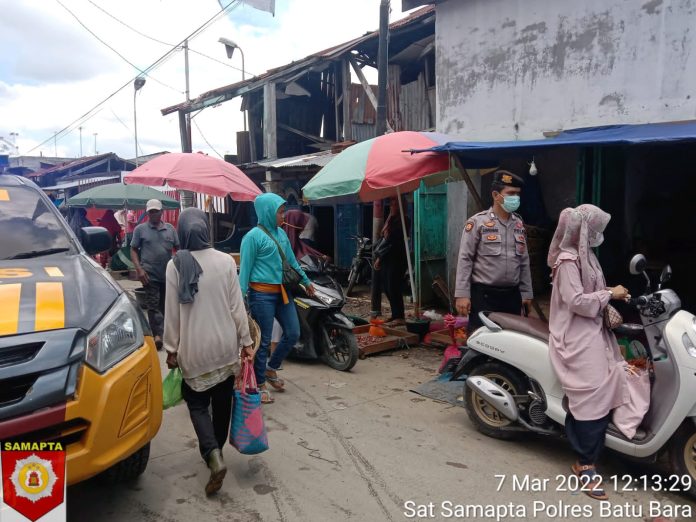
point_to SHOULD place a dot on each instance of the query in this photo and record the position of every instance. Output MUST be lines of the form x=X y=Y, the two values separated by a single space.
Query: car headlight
x=116 y=336
x=689 y=345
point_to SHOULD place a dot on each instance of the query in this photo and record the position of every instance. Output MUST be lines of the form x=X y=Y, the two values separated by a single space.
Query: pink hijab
x=571 y=242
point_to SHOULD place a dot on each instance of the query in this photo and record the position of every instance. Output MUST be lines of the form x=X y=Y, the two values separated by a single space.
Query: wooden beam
x=337 y=100
x=469 y=183
x=345 y=92
x=363 y=81
x=366 y=86
x=306 y=135
x=270 y=122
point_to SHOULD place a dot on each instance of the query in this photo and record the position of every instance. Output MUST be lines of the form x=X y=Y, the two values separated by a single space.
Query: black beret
x=507 y=178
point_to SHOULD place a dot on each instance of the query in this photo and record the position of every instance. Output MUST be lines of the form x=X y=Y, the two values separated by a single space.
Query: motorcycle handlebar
x=638 y=301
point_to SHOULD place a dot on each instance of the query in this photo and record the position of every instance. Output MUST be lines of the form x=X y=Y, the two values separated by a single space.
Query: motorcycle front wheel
x=682 y=455
x=345 y=353
x=352 y=277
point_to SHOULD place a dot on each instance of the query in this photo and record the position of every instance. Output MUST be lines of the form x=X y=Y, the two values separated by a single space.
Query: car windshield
x=28 y=226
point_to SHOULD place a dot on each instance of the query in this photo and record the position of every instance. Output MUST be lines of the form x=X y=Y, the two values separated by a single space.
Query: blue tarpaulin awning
x=479 y=154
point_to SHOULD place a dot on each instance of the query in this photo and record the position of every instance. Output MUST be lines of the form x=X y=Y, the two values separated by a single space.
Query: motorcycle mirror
x=666 y=275
x=638 y=264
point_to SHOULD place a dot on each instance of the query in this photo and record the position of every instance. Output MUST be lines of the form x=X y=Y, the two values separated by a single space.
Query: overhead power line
x=206 y=139
x=71 y=126
x=162 y=42
x=114 y=50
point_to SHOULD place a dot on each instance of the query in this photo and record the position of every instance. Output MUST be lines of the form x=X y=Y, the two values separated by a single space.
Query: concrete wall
x=511 y=69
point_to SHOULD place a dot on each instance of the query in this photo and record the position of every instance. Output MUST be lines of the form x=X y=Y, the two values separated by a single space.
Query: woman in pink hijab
x=584 y=353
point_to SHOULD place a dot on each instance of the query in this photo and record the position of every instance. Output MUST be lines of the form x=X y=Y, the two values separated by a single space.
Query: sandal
x=592 y=485
x=273 y=379
x=266 y=397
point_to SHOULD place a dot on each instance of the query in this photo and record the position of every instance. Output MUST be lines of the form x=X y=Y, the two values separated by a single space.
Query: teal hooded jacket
x=260 y=261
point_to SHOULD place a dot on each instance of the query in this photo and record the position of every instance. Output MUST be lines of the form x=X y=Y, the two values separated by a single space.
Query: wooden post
x=469 y=183
x=347 y=120
x=270 y=128
x=337 y=99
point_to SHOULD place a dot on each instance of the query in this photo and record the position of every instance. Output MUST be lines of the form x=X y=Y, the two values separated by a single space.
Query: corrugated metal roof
x=78 y=182
x=319 y=159
x=74 y=164
x=228 y=92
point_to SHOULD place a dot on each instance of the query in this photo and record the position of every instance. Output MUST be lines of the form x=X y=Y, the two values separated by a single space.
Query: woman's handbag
x=291 y=277
x=612 y=317
x=247 y=431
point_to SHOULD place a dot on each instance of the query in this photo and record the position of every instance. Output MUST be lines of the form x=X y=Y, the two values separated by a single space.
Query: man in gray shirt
x=151 y=249
x=493 y=272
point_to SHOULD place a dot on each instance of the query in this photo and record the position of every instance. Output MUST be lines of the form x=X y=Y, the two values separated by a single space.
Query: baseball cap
x=153 y=204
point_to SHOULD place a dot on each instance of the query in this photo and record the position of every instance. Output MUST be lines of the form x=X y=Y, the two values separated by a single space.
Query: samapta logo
x=33 y=485
x=34 y=478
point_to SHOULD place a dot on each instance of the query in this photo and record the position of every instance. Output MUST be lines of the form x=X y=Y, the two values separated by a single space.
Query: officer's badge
x=469 y=226
x=492 y=237
x=489 y=224
x=506 y=178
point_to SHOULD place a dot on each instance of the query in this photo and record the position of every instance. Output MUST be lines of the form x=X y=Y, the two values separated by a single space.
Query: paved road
x=351 y=446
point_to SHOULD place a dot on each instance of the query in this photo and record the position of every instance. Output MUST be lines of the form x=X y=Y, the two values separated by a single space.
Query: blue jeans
x=264 y=308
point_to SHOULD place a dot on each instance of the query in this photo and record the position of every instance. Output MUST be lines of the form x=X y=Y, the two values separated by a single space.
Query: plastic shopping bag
x=171 y=388
x=247 y=431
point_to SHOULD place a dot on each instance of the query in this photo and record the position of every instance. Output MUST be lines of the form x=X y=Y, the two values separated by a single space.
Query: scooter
x=511 y=386
x=325 y=332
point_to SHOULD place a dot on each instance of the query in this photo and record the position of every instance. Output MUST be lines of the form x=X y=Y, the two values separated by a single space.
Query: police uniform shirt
x=493 y=253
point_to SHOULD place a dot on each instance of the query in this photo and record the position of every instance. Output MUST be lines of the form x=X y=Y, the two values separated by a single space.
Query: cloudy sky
x=53 y=71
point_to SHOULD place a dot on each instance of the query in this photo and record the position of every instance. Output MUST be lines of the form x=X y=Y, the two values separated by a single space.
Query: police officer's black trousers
x=486 y=298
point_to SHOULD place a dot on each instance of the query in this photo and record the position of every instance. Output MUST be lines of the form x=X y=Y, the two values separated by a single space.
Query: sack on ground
x=247 y=432
x=171 y=388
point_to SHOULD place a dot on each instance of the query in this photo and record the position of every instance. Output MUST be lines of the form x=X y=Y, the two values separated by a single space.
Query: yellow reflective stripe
x=9 y=303
x=50 y=306
x=53 y=271
x=4 y=195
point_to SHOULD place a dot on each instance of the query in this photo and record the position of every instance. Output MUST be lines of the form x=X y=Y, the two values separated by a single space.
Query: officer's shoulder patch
x=469 y=226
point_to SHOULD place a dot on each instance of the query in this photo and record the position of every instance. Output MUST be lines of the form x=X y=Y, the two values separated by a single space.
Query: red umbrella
x=196 y=172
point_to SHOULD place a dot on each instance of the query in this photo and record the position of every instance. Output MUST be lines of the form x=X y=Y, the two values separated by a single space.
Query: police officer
x=493 y=270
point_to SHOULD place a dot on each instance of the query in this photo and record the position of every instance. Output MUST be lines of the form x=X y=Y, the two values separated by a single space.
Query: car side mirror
x=95 y=240
x=638 y=264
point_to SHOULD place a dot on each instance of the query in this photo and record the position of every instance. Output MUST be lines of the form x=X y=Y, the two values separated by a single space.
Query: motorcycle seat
x=526 y=325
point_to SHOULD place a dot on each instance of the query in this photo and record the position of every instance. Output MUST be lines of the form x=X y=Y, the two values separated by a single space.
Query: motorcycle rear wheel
x=344 y=357
x=485 y=417
x=682 y=454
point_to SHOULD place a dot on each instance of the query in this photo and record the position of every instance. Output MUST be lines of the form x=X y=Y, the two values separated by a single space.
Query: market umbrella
x=196 y=172
x=119 y=195
x=381 y=168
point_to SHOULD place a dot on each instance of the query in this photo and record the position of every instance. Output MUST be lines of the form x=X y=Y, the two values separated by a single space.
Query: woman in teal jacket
x=261 y=277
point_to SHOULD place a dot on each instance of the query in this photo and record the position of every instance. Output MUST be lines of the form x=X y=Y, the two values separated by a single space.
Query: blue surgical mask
x=511 y=203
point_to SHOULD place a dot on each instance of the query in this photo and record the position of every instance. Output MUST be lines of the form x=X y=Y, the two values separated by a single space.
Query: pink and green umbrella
x=381 y=168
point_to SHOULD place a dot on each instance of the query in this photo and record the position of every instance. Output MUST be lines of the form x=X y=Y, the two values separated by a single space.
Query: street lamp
x=137 y=85
x=230 y=46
